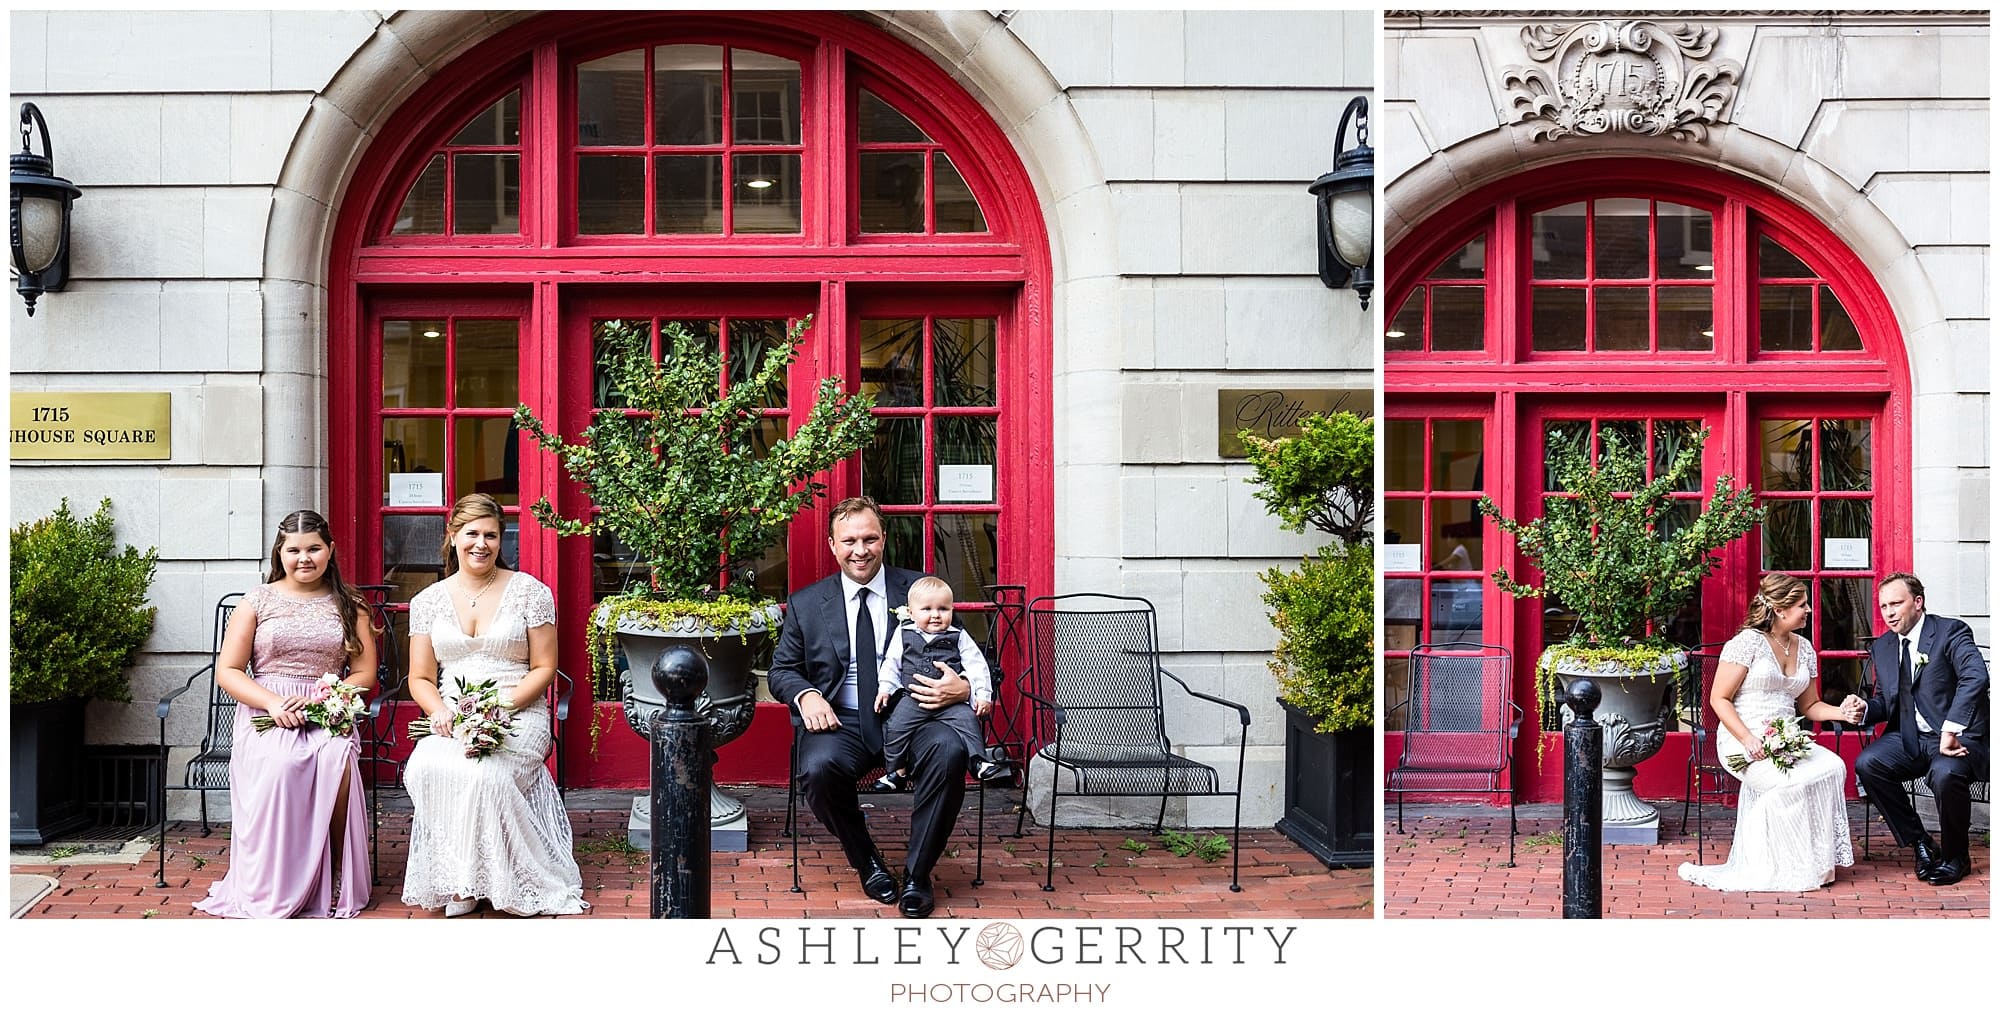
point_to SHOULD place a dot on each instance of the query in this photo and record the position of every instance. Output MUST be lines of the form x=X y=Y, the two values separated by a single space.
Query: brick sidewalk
x=1094 y=875
x=1450 y=863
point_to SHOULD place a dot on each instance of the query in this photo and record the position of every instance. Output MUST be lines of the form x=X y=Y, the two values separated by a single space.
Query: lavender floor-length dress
x=283 y=782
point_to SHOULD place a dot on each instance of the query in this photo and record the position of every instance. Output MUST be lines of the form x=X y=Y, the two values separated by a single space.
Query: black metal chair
x=1706 y=777
x=378 y=741
x=208 y=770
x=1459 y=725
x=1094 y=686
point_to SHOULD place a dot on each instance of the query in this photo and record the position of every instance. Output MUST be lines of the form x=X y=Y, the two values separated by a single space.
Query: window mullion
x=828 y=155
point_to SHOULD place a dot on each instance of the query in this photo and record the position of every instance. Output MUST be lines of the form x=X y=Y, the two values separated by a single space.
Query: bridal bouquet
x=1785 y=742
x=335 y=706
x=480 y=720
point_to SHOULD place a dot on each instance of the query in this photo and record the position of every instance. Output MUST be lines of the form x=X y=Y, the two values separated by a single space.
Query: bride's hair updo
x=467 y=510
x=1774 y=593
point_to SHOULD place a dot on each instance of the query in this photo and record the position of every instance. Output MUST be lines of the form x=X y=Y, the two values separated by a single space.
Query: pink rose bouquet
x=335 y=706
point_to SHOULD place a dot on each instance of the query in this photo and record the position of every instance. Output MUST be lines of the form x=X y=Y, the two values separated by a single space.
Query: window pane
x=687 y=95
x=604 y=393
x=881 y=124
x=489 y=372
x=1845 y=455
x=486 y=194
x=1787 y=451
x=1457 y=455
x=962 y=372
x=771 y=571
x=1558 y=318
x=1457 y=610
x=1846 y=518
x=614 y=566
x=1839 y=677
x=706 y=334
x=750 y=341
x=1402 y=607
x=411 y=558
x=892 y=364
x=1561 y=440
x=422 y=212
x=1687 y=318
x=1787 y=535
x=903 y=539
x=1396 y=685
x=966 y=442
x=1624 y=437
x=1557 y=244
x=764 y=98
x=956 y=210
x=1457 y=535
x=1458 y=322
x=1670 y=439
x=1621 y=249
x=892 y=468
x=611 y=100
x=767 y=194
x=1406 y=330
x=1775 y=261
x=1846 y=614
x=1623 y=319
x=688 y=198
x=892 y=192
x=758 y=438
x=413 y=356
x=1403 y=520
x=1836 y=329
x=965 y=552
x=1468 y=263
x=487 y=458
x=1784 y=317
x=498 y=126
x=1686 y=242
x=611 y=195
x=1403 y=454
x=412 y=445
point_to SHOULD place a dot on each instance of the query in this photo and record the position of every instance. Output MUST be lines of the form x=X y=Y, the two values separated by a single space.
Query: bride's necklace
x=472 y=601
x=1784 y=653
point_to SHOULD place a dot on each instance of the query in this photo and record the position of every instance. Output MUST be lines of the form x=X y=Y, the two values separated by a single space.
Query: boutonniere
x=901 y=613
x=1921 y=659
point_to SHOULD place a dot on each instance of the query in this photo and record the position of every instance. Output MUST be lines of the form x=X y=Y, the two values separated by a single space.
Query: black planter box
x=1329 y=792
x=46 y=775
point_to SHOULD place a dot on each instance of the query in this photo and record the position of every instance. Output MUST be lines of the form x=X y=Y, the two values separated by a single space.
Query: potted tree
x=79 y=618
x=1618 y=551
x=1324 y=610
x=677 y=474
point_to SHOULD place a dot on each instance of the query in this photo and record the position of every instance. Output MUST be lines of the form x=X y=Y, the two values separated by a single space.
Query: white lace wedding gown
x=493 y=827
x=1791 y=826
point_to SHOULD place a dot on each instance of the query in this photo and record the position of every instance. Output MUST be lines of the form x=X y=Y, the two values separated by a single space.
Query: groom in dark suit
x=1930 y=687
x=825 y=666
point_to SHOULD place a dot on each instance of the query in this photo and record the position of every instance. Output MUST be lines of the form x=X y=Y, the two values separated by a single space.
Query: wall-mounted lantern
x=38 y=202
x=1347 y=208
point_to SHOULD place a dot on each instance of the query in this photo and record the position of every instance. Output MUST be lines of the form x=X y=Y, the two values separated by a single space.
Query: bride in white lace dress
x=1791 y=826
x=491 y=828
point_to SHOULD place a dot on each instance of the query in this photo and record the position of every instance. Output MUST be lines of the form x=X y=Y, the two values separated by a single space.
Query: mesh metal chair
x=1459 y=725
x=1094 y=686
x=1706 y=777
x=208 y=770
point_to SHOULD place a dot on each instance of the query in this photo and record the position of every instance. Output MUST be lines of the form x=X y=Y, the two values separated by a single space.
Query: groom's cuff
x=1952 y=727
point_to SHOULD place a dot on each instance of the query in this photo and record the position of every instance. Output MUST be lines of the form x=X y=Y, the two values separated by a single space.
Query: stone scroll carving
x=1636 y=77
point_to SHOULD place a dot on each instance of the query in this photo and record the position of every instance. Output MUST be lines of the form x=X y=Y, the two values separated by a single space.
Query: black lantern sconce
x=38 y=202
x=1347 y=208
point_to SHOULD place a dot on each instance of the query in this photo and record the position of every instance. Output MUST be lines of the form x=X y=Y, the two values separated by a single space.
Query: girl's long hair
x=345 y=596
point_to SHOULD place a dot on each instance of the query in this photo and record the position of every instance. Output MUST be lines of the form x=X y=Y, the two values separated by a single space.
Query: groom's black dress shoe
x=1927 y=856
x=917 y=898
x=877 y=882
x=1948 y=871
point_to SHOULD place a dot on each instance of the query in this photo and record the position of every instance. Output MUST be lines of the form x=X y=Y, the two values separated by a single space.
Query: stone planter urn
x=1637 y=713
x=729 y=703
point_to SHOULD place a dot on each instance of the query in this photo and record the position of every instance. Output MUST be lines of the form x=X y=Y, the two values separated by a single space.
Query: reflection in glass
x=1774 y=261
x=1396 y=692
x=1468 y=263
x=1621 y=246
x=411 y=557
x=967 y=441
x=1403 y=520
x=892 y=192
x=770 y=571
x=498 y=126
x=1786 y=448
x=422 y=212
x=764 y=98
x=611 y=195
x=1836 y=328
x=1403 y=454
x=1458 y=320
x=1562 y=440
x=1457 y=535
x=687 y=95
x=1457 y=455
x=892 y=365
x=965 y=552
x=767 y=194
x=1845 y=608
x=962 y=370
x=413 y=356
x=687 y=198
x=412 y=445
x=956 y=210
x=604 y=393
x=1402 y=606
x=1787 y=535
x=1784 y=317
x=487 y=459
x=892 y=467
x=1406 y=330
x=486 y=194
x=881 y=124
x=1686 y=247
x=489 y=373
x=1558 y=318
x=903 y=539
x=1558 y=243
x=611 y=101
x=1670 y=438
x=614 y=567
x=1839 y=677
x=1846 y=518
x=1457 y=610
x=1687 y=318
x=1623 y=319
x=750 y=342
x=1845 y=455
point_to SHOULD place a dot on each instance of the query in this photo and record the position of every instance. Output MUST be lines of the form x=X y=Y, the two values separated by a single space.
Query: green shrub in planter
x=1325 y=615
x=79 y=608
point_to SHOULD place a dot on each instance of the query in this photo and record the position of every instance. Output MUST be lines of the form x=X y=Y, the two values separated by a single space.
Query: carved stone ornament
x=1620 y=77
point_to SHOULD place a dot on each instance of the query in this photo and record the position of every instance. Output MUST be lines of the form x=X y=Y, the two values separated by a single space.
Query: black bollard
x=1583 y=805
x=680 y=788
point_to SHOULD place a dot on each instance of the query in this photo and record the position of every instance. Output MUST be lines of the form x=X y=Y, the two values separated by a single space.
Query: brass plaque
x=91 y=425
x=1275 y=413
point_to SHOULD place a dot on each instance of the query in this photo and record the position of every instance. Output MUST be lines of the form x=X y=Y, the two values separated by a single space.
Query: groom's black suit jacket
x=813 y=653
x=1952 y=686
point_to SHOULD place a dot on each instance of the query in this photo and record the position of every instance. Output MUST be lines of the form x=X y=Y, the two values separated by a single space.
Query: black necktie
x=1906 y=702
x=864 y=670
